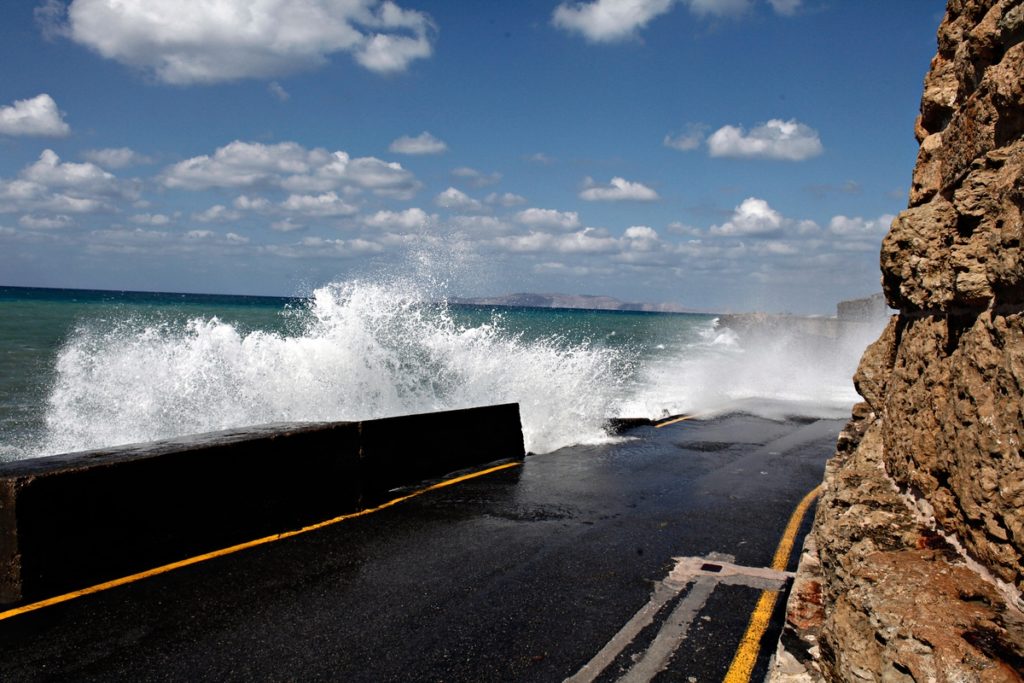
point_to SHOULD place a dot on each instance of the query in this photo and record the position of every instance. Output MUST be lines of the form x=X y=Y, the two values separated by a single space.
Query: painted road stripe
x=673 y=420
x=244 y=546
x=672 y=633
x=750 y=645
x=702 y=575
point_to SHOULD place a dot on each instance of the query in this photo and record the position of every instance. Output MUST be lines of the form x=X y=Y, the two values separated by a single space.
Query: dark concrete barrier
x=70 y=521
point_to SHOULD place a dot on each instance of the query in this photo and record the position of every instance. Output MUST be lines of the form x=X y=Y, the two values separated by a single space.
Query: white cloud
x=776 y=139
x=480 y=225
x=408 y=220
x=45 y=222
x=507 y=199
x=718 y=8
x=548 y=219
x=424 y=143
x=687 y=141
x=457 y=200
x=218 y=213
x=386 y=53
x=118 y=157
x=753 y=217
x=290 y=166
x=606 y=21
x=477 y=178
x=641 y=233
x=677 y=228
x=619 y=189
x=51 y=172
x=37 y=116
x=55 y=186
x=278 y=91
x=786 y=7
x=539 y=158
x=286 y=225
x=327 y=204
x=200 y=234
x=586 y=241
x=207 y=42
x=860 y=227
x=154 y=219
x=247 y=203
x=235 y=238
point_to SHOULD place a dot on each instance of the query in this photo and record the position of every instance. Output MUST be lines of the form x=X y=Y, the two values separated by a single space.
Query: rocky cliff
x=915 y=566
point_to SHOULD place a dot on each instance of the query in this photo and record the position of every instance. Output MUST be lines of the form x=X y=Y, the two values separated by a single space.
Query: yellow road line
x=672 y=421
x=243 y=546
x=750 y=645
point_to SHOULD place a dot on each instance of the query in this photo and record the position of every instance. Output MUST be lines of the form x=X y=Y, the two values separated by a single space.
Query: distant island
x=585 y=301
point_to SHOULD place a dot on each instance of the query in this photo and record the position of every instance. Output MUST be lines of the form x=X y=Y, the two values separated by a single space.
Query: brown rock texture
x=919 y=534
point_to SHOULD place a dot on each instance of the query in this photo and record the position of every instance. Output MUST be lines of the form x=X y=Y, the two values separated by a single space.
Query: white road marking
x=703 y=575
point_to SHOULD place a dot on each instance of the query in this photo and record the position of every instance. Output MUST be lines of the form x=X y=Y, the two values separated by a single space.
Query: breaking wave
x=356 y=351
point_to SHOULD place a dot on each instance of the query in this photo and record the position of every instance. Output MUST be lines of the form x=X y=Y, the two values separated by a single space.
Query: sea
x=84 y=369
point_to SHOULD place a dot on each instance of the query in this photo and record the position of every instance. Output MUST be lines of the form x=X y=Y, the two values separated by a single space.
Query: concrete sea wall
x=69 y=521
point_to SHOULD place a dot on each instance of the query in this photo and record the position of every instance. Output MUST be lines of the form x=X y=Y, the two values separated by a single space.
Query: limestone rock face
x=920 y=529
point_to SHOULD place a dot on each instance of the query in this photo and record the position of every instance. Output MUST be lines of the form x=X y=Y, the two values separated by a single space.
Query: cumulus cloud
x=37 y=116
x=45 y=222
x=753 y=217
x=218 y=213
x=548 y=219
x=539 y=158
x=153 y=219
x=776 y=139
x=457 y=200
x=207 y=42
x=278 y=91
x=786 y=7
x=586 y=241
x=476 y=178
x=50 y=184
x=507 y=199
x=718 y=8
x=860 y=227
x=292 y=167
x=689 y=140
x=424 y=143
x=480 y=225
x=678 y=228
x=246 y=203
x=323 y=205
x=407 y=220
x=116 y=157
x=607 y=21
x=619 y=189
x=286 y=225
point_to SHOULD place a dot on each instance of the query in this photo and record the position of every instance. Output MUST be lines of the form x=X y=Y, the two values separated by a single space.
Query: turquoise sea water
x=86 y=369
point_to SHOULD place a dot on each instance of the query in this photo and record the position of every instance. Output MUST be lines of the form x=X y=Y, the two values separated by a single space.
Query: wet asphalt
x=520 y=575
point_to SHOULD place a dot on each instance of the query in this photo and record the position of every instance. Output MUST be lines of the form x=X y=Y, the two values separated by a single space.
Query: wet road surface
x=524 y=574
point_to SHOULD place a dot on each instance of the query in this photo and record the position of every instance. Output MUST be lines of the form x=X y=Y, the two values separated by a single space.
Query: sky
x=722 y=155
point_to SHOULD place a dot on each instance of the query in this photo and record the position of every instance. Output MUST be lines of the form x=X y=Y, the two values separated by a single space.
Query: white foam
x=364 y=351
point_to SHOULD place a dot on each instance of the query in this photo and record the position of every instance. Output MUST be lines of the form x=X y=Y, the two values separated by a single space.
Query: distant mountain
x=585 y=301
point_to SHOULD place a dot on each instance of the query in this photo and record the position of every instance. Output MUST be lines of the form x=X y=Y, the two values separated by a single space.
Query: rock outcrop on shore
x=915 y=566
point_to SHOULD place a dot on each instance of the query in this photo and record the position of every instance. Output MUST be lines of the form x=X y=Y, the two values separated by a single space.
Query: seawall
x=69 y=521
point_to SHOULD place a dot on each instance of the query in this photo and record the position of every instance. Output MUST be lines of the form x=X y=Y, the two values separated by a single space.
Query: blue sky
x=719 y=154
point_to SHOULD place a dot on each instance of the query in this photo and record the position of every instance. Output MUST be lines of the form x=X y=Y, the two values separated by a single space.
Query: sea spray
x=773 y=373
x=355 y=351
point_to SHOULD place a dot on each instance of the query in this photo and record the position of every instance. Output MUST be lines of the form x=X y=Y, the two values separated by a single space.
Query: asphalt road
x=524 y=574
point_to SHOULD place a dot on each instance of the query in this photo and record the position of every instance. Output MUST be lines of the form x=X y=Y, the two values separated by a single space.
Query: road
x=535 y=572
